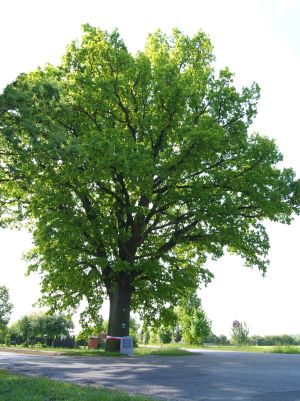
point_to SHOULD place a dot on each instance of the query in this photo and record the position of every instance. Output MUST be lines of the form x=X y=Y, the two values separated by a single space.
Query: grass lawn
x=163 y=351
x=88 y=352
x=22 y=388
x=173 y=349
x=169 y=350
x=286 y=349
x=140 y=351
x=275 y=349
x=278 y=349
x=240 y=348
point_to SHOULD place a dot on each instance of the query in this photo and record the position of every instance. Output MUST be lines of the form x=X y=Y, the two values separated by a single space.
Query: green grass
x=280 y=349
x=163 y=351
x=65 y=351
x=22 y=388
x=140 y=351
x=286 y=349
x=173 y=349
x=240 y=348
x=88 y=352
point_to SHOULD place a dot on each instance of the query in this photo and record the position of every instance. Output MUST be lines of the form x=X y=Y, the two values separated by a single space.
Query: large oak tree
x=130 y=170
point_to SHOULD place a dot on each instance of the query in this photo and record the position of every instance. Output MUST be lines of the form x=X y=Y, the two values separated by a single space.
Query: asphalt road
x=204 y=376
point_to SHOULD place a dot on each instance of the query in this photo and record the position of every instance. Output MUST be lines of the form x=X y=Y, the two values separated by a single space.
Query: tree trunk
x=119 y=308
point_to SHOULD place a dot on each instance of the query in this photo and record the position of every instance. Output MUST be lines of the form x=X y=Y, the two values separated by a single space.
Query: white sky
x=259 y=41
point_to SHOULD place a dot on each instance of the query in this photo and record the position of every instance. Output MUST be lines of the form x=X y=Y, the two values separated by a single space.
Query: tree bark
x=119 y=308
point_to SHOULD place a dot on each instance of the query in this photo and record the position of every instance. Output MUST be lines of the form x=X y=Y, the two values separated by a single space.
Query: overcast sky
x=259 y=41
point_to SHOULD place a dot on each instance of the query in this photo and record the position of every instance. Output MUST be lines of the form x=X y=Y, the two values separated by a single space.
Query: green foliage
x=162 y=351
x=144 y=336
x=280 y=349
x=160 y=330
x=52 y=326
x=24 y=388
x=5 y=308
x=193 y=321
x=274 y=340
x=131 y=170
x=90 y=328
x=158 y=335
x=134 y=331
x=218 y=340
x=239 y=333
x=165 y=335
x=154 y=336
x=187 y=322
x=40 y=325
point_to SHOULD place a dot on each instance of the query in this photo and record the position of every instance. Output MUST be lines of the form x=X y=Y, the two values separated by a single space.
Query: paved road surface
x=204 y=376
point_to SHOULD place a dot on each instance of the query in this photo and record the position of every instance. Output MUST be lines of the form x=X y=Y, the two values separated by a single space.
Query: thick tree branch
x=91 y=117
x=106 y=190
x=127 y=116
x=126 y=203
x=250 y=168
x=176 y=238
x=158 y=143
x=174 y=222
x=206 y=169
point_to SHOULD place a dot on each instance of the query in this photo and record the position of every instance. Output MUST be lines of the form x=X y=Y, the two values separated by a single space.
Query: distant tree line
x=217 y=340
x=274 y=340
x=187 y=323
x=240 y=336
x=40 y=328
x=254 y=340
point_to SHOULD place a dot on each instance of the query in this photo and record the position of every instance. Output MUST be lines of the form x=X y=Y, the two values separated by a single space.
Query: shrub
x=165 y=335
x=218 y=340
x=273 y=340
x=144 y=336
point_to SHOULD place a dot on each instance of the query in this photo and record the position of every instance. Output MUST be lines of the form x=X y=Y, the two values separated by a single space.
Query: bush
x=7 y=340
x=144 y=337
x=217 y=340
x=64 y=342
x=134 y=340
x=273 y=340
x=154 y=336
x=81 y=342
x=165 y=335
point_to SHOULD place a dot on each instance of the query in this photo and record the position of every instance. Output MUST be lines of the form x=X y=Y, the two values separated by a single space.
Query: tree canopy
x=130 y=170
x=193 y=322
x=41 y=325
